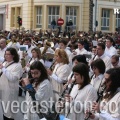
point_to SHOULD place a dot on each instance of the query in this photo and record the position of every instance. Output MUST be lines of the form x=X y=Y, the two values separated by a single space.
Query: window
x=71 y=13
x=105 y=22
x=13 y=17
x=53 y=13
x=39 y=17
x=15 y=12
x=117 y=20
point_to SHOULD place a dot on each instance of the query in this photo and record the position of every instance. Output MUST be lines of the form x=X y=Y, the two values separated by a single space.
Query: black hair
x=83 y=70
x=39 y=66
x=13 y=52
x=27 y=39
x=115 y=79
x=99 y=64
x=80 y=58
x=63 y=41
x=81 y=42
x=102 y=45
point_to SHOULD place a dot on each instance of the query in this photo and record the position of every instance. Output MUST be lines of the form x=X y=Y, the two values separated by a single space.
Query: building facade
x=38 y=14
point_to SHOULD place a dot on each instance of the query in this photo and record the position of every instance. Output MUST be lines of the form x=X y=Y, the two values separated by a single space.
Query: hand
x=49 y=72
x=95 y=106
x=65 y=85
x=28 y=65
x=1 y=66
x=87 y=114
x=70 y=81
x=68 y=98
x=25 y=82
x=74 y=53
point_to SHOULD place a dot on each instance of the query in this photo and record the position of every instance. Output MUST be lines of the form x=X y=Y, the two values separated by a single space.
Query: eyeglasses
x=7 y=54
x=34 y=73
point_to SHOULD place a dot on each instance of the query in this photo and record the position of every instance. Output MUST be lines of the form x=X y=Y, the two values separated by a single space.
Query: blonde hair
x=63 y=55
x=37 y=50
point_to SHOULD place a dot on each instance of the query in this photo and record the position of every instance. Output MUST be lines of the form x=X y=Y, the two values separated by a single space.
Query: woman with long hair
x=39 y=89
x=109 y=107
x=36 y=56
x=60 y=72
x=84 y=93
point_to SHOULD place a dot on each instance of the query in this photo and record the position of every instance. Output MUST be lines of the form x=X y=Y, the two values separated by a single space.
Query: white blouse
x=44 y=93
x=79 y=102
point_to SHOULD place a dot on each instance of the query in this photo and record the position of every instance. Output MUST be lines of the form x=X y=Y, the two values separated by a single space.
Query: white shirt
x=110 y=51
x=81 y=52
x=97 y=82
x=2 y=53
x=106 y=60
x=59 y=76
x=44 y=92
x=9 y=84
x=106 y=114
x=82 y=96
x=15 y=45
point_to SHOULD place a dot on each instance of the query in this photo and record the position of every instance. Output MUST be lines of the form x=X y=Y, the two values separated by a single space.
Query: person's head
x=81 y=74
x=36 y=53
x=27 y=41
x=94 y=50
x=61 y=56
x=115 y=60
x=62 y=44
x=100 y=49
x=98 y=67
x=11 y=55
x=80 y=45
x=109 y=42
x=13 y=37
x=2 y=43
x=79 y=59
x=38 y=71
x=112 y=80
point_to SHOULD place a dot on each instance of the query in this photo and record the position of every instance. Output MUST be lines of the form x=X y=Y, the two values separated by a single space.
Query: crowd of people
x=77 y=70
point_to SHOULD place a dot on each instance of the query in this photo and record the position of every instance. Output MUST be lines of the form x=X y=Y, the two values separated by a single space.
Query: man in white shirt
x=101 y=54
x=110 y=50
x=13 y=43
x=81 y=50
x=2 y=49
x=27 y=54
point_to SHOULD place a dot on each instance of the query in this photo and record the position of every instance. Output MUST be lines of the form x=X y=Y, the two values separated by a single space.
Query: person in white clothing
x=26 y=54
x=2 y=48
x=81 y=50
x=97 y=80
x=101 y=54
x=13 y=42
x=39 y=89
x=110 y=109
x=10 y=73
x=36 y=56
x=77 y=103
x=110 y=50
x=60 y=73
x=63 y=45
x=45 y=51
